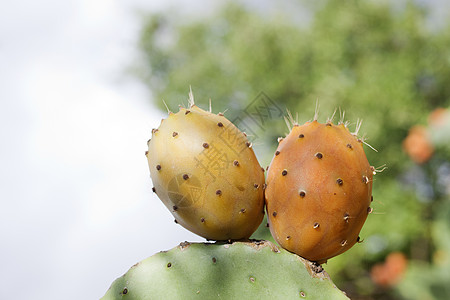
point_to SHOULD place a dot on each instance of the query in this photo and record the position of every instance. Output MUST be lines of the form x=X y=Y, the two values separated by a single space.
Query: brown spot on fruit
x=153 y=189
x=218 y=192
x=316 y=225
x=274 y=214
x=288 y=238
x=369 y=210
x=214 y=260
x=302 y=194
x=277 y=152
x=175 y=208
x=205 y=145
x=343 y=243
x=236 y=163
x=202 y=220
x=256 y=185
x=220 y=124
x=346 y=217
x=339 y=181
x=169 y=265
x=125 y=291
x=185 y=176
x=146 y=152
x=349 y=146
x=248 y=144
x=174 y=134
x=187 y=111
x=301 y=135
x=365 y=179
x=242 y=210
x=158 y=167
x=319 y=155
x=284 y=173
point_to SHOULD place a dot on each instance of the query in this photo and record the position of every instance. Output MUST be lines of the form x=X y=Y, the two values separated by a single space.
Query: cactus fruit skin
x=319 y=190
x=205 y=172
x=242 y=270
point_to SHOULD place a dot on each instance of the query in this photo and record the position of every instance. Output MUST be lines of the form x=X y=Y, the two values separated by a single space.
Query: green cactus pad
x=241 y=270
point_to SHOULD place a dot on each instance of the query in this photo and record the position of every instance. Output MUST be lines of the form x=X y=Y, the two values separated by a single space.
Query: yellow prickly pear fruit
x=205 y=172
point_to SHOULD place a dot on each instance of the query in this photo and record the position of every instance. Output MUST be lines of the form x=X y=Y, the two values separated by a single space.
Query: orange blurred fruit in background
x=391 y=271
x=417 y=144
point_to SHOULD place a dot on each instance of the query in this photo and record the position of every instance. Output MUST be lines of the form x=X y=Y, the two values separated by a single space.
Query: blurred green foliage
x=377 y=60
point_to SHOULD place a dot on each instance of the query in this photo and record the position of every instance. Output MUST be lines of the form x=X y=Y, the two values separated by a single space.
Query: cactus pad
x=241 y=270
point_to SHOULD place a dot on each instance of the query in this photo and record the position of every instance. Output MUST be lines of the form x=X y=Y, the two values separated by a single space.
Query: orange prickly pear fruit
x=319 y=190
x=205 y=172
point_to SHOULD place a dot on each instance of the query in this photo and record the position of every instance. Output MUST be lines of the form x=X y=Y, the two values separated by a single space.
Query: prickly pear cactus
x=205 y=172
x=242 y=270
x=319 y=189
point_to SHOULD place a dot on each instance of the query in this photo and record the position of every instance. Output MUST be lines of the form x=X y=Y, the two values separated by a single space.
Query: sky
x=77 y=208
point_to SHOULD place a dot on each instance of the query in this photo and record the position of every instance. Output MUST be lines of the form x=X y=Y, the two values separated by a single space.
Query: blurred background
x=82 y=84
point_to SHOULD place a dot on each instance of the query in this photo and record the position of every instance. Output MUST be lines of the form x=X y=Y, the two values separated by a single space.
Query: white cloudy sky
x=76 y=203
